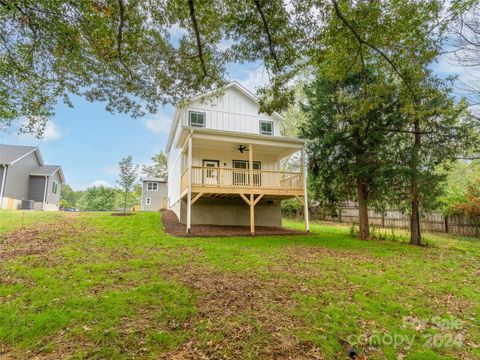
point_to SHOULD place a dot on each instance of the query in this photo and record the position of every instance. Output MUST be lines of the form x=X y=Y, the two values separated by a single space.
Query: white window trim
x=54 y=187
x=148 y=201
x=151 y=183
x=197 y=112
x=260 y=127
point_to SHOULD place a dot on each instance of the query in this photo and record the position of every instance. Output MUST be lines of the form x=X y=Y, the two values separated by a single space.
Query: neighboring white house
x=154 y=194
x=224 y=162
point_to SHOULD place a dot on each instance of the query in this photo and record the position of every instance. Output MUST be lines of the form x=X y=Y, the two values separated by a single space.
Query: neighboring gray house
x=154 y=194
x=24 y=176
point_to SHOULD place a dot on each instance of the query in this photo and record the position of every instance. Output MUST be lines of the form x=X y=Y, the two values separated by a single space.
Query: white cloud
x=100 y=183
x=86 y=185
x=255 y=78
x=158 y=125
x=50 y=133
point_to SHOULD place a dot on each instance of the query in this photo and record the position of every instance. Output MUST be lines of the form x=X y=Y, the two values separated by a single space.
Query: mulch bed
x=175 y=228
x=123 y=214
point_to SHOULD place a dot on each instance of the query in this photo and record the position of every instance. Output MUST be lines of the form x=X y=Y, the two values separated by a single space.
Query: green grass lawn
x=98 y=286
x=13 y=220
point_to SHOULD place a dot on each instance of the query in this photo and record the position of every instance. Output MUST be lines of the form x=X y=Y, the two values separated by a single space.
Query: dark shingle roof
x=48 y=170
x=11 y=153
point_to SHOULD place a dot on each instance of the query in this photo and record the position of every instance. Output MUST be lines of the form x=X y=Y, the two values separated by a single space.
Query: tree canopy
x=158 y=168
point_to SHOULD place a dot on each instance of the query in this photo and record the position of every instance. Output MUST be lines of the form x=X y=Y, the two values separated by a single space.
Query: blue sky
x=89 y=142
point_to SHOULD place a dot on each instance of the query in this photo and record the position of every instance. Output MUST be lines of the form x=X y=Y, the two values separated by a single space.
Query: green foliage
x=97 y=198
x=159 y=167
x=118 y=52
x=291 y=207
x=469 y=204
x=350 y=133
x=68 y=197
x=127 y=178
x=132 y=199
x=457 y=179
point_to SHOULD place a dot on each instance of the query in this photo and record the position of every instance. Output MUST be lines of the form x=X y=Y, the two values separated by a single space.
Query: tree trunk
x=415 y=234
x=125 y=203
x=363 y=211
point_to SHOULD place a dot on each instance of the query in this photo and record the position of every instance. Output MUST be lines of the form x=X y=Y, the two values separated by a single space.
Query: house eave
x=235 y=136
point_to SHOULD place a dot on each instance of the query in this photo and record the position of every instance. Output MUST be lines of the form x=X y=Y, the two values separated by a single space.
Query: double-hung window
x=152 y=186
x=196 y=119
x=148 y=201
x=55 y=187
x=266 y=127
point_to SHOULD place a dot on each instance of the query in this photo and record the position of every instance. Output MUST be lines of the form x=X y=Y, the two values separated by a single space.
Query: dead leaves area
x=37 y=239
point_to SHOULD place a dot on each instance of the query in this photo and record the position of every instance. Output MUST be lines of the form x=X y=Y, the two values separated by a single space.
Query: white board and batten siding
x=234 y=111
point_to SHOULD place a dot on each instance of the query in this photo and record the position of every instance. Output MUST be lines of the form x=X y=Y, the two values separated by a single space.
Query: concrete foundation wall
x=232 y=212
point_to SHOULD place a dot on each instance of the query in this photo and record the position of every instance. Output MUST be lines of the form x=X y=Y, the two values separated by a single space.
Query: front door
x=210 y=172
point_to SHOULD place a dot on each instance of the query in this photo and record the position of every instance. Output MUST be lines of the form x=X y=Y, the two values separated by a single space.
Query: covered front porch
x=219 y=165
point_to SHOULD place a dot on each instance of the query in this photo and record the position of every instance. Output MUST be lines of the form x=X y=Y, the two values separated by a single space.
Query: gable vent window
x=197 y=119
x=152 y=186
x=266 y=127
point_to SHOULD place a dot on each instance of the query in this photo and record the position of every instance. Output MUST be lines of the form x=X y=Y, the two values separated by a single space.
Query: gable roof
x=48 y=170
x=154 y=179
x=235 y=85
x=10 y=154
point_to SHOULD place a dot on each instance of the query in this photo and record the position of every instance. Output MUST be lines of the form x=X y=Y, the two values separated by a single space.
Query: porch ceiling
x=270 y=147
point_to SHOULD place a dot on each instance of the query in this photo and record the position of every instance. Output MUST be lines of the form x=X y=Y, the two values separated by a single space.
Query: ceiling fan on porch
x=241 y=148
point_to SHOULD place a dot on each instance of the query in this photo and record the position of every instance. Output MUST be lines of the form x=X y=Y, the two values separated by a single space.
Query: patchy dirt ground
x=175 y=228
x=40 y=238
x=241 y=306
x=106 y=287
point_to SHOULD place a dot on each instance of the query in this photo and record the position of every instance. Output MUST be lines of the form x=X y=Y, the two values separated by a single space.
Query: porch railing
x=240 y=178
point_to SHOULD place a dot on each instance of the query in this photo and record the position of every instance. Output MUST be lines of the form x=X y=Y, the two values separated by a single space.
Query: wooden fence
x=434 y=221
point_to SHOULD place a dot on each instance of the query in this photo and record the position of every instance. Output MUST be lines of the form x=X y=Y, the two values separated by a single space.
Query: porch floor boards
x=174 y=227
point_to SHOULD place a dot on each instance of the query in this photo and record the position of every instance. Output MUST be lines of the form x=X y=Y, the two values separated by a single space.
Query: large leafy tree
x=349 y=155
x=68 y=197
x=158 y=168
x=98 y=198
x=399 y=40
x=123 y=53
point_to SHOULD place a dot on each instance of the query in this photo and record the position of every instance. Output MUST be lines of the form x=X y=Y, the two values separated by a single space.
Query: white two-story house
x=224 y=162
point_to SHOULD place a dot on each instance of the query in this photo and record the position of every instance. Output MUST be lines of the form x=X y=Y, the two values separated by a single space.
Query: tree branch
x=267 y=31
x=370 y=45
x=121 y=24
x=197 y=37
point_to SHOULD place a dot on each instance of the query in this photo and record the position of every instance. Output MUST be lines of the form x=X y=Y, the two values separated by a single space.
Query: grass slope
x=118 y=287
x=11 y=220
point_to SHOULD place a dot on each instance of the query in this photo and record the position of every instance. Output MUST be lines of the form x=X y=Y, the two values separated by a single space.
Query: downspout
x=45 y=193
x=2 y=188
x=141 y=200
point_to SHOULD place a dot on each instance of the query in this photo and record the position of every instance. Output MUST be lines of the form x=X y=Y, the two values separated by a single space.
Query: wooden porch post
x=252 y=215
x=250 y=175
x=305 y=196
x=189 y=195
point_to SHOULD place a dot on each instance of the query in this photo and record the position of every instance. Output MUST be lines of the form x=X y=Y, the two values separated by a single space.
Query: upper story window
x=152 y=186
x=54 y=187
x=197 y=119
x=266 y=127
